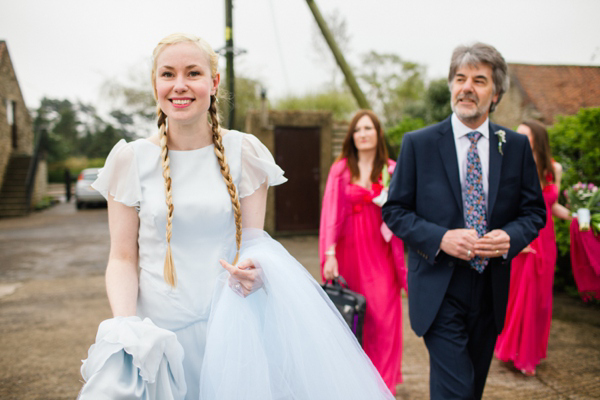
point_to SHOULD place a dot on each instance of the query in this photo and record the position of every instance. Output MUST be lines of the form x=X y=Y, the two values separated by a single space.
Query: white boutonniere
x=501 y=139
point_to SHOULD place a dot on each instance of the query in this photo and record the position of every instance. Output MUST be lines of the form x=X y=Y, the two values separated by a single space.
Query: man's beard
x=469 y=116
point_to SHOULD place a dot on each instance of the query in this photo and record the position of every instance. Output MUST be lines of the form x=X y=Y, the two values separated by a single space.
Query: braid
x=169 y=271
x=220 y=152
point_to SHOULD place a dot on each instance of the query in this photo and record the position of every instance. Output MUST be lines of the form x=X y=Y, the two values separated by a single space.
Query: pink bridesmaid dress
x=524 y=340
x=371 y=265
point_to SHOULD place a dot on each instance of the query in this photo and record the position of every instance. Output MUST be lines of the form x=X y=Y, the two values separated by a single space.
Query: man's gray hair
x=481 y=53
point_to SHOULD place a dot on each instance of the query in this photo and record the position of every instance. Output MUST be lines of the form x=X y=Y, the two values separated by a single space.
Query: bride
x=206 y=305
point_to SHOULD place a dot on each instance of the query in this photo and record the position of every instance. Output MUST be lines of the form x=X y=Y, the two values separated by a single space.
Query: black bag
x=351 y=305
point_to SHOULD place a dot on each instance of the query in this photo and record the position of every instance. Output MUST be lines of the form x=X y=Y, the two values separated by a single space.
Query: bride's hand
x=245 y=278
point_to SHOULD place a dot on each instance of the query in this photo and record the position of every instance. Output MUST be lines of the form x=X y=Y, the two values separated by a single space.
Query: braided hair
x=170 y=274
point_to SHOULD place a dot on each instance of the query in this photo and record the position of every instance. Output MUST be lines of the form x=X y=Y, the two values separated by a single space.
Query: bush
x=575 y=143
x=56 y=170
x=45 y=202
x=407 y=124
x=339 y=102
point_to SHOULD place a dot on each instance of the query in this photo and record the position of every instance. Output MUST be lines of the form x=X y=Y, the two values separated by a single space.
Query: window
x=11 y=117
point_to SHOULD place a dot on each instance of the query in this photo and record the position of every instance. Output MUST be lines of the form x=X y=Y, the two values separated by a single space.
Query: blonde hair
x=170 y=275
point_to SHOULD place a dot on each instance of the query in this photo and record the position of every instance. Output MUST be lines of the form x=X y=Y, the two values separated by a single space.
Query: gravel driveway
x=52 y=299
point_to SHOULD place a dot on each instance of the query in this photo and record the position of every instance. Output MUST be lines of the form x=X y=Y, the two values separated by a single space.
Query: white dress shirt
x=463 y=143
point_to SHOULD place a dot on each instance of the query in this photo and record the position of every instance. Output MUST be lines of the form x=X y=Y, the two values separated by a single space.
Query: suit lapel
x=494 y=171
x=447 y=149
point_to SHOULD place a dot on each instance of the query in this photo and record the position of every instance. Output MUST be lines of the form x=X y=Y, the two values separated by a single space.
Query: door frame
x=262 y=124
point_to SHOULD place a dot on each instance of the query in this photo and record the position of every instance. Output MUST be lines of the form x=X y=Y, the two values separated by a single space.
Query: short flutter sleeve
x=258 y=165
x=119 y=177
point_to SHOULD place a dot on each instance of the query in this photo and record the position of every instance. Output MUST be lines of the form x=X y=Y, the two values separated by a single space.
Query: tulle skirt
x=285 y=341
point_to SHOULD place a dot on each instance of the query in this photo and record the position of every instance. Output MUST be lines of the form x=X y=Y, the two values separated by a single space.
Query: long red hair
x=350 y=152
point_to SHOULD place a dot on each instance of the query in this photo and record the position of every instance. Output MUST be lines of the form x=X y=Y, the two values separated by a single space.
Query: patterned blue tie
x=475 y=213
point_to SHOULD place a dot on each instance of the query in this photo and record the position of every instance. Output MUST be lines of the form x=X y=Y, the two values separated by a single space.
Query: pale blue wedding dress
x=201 y=340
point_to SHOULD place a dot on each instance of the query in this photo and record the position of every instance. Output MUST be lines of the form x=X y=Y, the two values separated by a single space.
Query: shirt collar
x=461 y=129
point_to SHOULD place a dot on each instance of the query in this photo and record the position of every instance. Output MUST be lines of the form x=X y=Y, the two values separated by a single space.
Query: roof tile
x=558 y=89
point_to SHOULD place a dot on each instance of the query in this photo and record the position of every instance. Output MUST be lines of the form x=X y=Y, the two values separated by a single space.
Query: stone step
x=8 y=207
x=16 y=200
x=13 y=185
x=15 y=171
x=13 y=213
x=12 y=181
x=18 y=164
x=11 y=191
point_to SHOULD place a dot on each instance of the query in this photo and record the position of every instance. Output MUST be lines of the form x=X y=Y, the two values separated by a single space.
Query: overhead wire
x=279 y=47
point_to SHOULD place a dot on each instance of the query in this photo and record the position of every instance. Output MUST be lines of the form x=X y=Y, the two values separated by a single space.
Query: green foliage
x=45 y=202
x=247 y=97
x=134 y=98
x=435 y=107
x=407 y=124
x=563 y=277
x=339 y=102
x=56 y=170
x=575 y=144
x=437 y=101
x=77 y=129
x=393 y=86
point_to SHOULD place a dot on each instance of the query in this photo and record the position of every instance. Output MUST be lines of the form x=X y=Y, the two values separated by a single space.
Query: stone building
x=542 y=92
x=301 y=142
x=16 y=145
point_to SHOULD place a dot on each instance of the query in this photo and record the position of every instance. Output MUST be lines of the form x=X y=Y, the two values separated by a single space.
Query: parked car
x=85 y=194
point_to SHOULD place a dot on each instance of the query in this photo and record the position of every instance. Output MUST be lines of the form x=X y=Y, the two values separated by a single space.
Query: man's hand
x=459 y=243
x=493 y=244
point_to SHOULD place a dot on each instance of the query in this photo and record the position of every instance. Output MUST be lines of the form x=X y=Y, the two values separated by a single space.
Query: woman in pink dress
x=524 y=340
x=355 y=243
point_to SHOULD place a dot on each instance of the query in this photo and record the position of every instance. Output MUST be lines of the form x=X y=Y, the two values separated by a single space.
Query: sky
x=72 y=48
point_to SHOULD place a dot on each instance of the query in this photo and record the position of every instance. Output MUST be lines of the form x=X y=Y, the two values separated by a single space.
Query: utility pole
x=339 y=57
x=230 y=52
x=229 y=58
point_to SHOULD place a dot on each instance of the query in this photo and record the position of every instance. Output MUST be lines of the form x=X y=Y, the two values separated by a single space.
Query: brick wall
x=40 y=187
x=10 y=91
x=514 y=107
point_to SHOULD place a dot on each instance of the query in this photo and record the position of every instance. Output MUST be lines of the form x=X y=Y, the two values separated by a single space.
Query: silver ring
x=468 y=253
x=497 y=252
x=237 y=286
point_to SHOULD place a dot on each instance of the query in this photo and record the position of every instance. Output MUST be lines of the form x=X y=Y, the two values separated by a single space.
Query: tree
x=135 y=97
x=247 y=97
x=575 y=143
x=339 y=30
x=76 y=130
x=339 y=101
x=59 y=118
x=437 y=101
x=434 y=107
x=394 y=86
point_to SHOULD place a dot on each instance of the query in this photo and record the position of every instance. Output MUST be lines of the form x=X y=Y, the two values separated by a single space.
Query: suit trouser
x=462 y=337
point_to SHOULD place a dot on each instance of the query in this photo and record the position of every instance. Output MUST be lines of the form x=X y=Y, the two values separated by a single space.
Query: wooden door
x=297 y=152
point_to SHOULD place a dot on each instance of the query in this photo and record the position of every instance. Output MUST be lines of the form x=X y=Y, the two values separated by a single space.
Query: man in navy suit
x=466 y=198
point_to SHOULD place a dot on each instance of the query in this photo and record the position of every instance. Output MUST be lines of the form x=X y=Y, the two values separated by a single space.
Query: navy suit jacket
x=425 y=200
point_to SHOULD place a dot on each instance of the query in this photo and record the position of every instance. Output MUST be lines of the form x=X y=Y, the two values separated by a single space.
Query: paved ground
x=52 y=298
